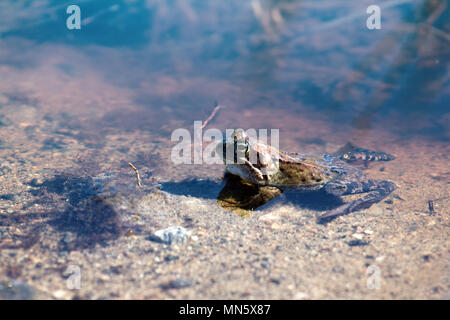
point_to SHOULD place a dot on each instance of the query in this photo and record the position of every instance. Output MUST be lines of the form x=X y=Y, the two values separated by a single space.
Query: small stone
x=177 y=284
x=379 y=259
x=170 y=258
x=270 y=217
x=301 y=296
x=60 y=294
x=368 y=231
x=275 y=281
x=36 y=182
x=171 y=235
x=275 y=226
x=69 y=237
x=357 y=236
x=357 y=242
x=117 y=269
x=426 y=257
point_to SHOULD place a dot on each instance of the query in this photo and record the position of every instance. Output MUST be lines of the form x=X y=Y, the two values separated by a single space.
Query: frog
x=264 y=166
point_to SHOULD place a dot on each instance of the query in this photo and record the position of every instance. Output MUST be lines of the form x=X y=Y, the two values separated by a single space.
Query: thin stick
x=211 y=116
x=138 y=178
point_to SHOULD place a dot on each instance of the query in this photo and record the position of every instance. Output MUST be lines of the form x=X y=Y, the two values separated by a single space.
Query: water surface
x=157 y=65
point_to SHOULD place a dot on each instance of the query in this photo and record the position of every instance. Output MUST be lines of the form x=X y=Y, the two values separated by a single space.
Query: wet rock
x=117 y=269
x=357 y=242
x=426 y=257
x=275 y=281
x=177 y=284
x=36 y=182
x=8 y=196
x=171 y=235
x=170 y=258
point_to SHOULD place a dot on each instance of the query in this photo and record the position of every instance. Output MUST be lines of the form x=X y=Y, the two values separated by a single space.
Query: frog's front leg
x=250 y=174
x=376 y=191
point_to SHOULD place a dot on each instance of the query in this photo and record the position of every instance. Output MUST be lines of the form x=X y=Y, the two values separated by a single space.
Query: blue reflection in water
x=317 y=53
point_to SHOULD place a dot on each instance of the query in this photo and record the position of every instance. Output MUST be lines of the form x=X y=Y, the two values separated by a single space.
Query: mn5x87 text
x=245 y=309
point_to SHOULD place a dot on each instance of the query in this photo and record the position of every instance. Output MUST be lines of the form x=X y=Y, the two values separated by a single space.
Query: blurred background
x=161 y=64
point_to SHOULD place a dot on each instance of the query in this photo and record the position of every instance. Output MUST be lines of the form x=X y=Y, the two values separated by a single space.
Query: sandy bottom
x=69 y=205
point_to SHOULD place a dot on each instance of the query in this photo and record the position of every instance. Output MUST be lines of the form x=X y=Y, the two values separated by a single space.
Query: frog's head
x=236 y=149
x=246 y=157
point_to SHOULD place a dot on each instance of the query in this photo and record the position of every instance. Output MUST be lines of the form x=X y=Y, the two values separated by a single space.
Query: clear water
x=76 y=106
x=174 y=59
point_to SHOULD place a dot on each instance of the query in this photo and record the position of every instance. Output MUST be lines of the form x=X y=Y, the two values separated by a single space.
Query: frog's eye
x=241 y=148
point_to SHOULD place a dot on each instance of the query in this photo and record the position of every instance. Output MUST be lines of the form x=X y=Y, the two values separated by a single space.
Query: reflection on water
x=164 y=63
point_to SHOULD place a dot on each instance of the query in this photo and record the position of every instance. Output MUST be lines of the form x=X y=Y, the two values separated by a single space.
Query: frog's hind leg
x=376 y=190
x=351 y=153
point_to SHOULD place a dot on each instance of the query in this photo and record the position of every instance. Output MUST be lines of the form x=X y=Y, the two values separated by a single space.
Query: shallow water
x=77 y=105
x=156 y=64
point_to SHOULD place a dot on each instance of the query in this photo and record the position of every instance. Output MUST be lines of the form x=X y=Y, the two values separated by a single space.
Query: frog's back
x=305 y=171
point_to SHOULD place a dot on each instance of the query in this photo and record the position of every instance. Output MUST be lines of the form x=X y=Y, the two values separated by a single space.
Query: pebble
x=368 y=231
x=177 y=284
x=301 y=296
x=60 y=294
x=69 y=237
x=174 y=234
x=170 y=258
x=270 y=217
x=275 y=226
x=355 y=243
x=357 y=236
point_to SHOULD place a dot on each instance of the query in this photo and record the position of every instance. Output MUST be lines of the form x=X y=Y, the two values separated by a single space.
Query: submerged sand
x=69 y=201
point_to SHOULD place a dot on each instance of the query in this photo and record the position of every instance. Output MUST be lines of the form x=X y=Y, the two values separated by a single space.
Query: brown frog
x=264 y=166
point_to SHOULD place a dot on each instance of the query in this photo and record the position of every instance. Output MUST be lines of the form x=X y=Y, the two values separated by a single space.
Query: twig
x=211 y=115
x=204 y=124
x=138 y=178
